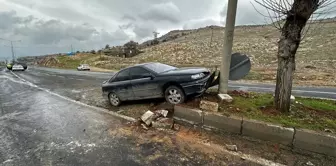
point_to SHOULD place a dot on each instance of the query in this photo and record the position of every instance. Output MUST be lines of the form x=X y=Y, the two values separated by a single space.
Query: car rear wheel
x=114 y=99
x=174 y=95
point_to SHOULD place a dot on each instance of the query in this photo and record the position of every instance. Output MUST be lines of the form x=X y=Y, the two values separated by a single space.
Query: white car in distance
x=18 y=67
x=83 y=67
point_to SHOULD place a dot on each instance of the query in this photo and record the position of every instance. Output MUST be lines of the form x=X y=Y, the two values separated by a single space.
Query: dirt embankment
x=315 y=59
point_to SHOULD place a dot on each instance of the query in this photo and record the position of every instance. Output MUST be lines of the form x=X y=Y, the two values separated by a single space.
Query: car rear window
x=159 y=67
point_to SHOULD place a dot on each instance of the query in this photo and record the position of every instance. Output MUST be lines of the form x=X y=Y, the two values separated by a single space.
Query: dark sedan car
x=155 y=80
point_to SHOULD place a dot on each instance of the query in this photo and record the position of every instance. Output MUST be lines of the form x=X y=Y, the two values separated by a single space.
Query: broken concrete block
x=164 y=123
x=292 y=98
x=225 y=97
x=164 y=113
x=209 y=106
x=147 y=117
x=232 y=147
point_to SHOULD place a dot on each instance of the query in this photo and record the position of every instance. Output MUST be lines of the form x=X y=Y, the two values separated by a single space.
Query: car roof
x=140 y=65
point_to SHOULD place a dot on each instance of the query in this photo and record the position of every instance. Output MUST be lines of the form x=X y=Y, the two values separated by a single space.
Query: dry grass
x=316 y=62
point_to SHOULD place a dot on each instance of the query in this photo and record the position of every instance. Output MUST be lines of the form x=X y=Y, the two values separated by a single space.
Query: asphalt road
x=39 y=128
x=99 y=77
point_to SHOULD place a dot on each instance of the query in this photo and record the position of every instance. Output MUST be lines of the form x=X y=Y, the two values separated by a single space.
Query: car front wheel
x=174 y=95
x=114 y=99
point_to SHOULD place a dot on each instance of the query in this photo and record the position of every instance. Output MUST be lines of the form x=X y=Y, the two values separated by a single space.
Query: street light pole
x=228 y=43
x=12 y=48
x=12 y=51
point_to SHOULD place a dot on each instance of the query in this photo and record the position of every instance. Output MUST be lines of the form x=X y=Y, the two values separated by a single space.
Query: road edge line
x=77 y=102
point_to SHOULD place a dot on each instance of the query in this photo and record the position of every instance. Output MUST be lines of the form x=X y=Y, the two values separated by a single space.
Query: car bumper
x=196 y=87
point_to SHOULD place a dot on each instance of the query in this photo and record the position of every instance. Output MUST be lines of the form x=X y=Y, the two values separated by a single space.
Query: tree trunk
x=289 y=42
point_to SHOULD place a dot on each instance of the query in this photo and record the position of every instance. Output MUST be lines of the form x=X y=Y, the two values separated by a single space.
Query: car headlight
x=197 y=76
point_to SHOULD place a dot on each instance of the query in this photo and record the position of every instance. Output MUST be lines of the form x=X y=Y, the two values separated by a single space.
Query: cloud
x=162 y=12
x=37 y=33
x=193 y=24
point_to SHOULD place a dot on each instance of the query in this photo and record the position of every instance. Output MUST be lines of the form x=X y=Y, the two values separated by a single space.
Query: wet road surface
x=39 y=128
x=304 y=91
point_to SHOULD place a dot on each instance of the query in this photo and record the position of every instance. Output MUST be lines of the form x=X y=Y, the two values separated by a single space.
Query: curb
x=295 y=138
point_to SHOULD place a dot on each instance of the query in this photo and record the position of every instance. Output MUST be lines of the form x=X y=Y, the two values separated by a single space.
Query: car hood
x=186 y=71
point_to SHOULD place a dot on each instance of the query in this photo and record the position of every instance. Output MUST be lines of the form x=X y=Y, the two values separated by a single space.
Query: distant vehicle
x=18 y=67
x=156 y=80
x=83 y=67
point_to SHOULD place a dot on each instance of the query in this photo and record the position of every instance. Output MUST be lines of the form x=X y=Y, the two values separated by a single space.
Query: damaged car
x=156 y=80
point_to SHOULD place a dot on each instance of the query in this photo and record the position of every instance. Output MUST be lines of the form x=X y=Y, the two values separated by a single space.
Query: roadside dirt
x=211 y=146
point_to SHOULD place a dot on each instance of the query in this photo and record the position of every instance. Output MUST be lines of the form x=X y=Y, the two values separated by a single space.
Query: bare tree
x=290 y=17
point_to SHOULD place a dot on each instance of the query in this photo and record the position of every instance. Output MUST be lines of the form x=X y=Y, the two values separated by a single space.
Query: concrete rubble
x=164 y=123
x=292 y=98
x=225 y=97
x=309 y=163
x=147 y=117
x=232 y=147
x=157 y=119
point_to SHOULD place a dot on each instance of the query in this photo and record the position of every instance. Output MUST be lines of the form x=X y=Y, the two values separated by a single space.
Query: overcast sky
x=51 y=26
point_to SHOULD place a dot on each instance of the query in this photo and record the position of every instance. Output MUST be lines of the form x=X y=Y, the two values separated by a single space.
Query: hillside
x=316 y=60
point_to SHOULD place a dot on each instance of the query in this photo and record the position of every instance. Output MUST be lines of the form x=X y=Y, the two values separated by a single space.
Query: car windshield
x=159 y=67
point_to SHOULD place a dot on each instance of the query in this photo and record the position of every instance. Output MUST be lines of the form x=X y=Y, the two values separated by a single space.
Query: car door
x=121 y=85
x=143 y=83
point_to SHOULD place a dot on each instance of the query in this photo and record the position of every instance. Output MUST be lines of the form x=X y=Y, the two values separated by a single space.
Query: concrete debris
x=144 y=126
x=164 y=123
x=328 y=131
x=232 y=147
x=147 y=117
x=164 y=113
x=156 y=119
x=309 y=163
x=292 y=98
x=209 y=106
x=225 y=97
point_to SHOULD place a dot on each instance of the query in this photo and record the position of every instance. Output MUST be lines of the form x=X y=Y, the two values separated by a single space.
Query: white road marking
x=74 y=101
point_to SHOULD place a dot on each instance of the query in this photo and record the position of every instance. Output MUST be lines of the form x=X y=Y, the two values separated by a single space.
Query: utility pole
x=211 y=36
x=71 y=49
x=12 y=48
x=12 y=51
x=228 y=43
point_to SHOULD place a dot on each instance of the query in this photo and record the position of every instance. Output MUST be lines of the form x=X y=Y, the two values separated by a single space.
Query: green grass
x=325 y=105
x=312 y=114
x=68 y=62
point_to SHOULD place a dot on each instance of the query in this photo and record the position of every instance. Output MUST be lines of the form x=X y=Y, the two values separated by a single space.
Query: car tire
x=174 y=95
x=114 y=99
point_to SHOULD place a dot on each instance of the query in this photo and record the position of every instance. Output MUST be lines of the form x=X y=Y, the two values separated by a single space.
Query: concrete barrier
x=315 y=142
x=228 y=124
x=188 y=115
x=268 y=132
x=299 y=138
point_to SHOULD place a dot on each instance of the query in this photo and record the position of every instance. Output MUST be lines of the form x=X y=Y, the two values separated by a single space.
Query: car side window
x=139 y=72
x=122 y=76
